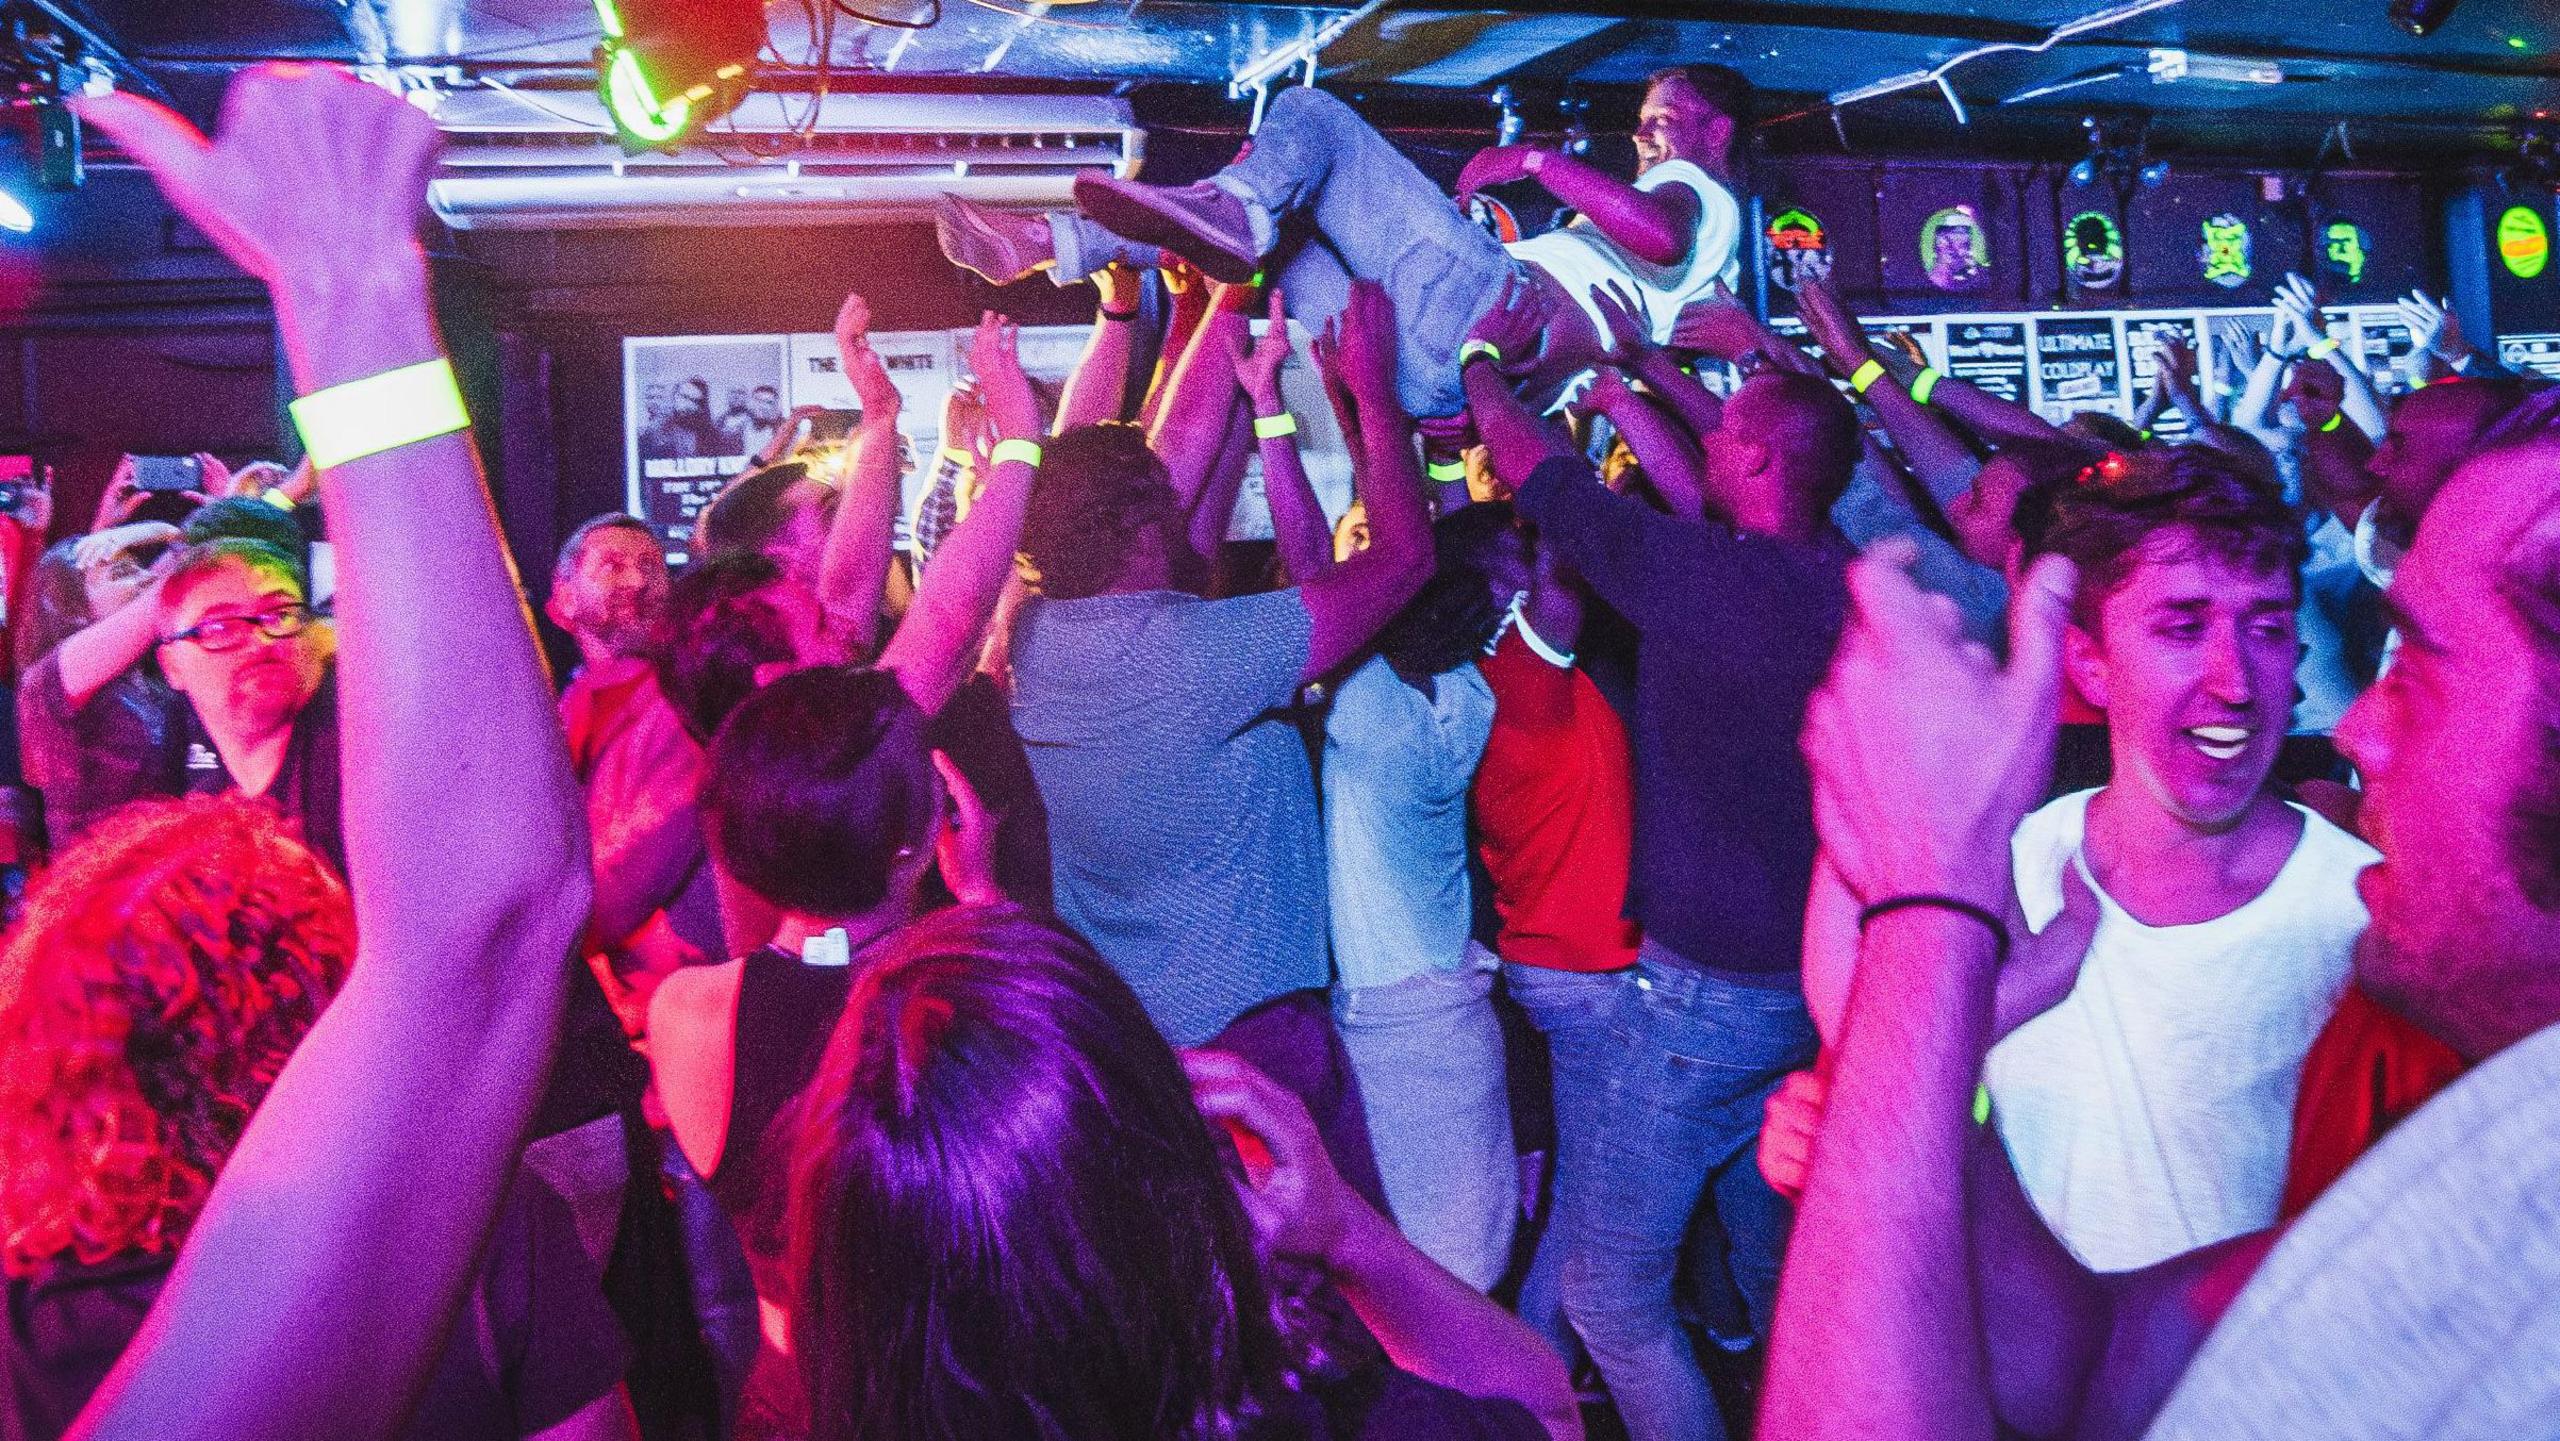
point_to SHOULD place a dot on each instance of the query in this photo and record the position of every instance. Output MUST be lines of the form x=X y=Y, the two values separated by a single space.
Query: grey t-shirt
x=2420 y=1297
x=1182 y=808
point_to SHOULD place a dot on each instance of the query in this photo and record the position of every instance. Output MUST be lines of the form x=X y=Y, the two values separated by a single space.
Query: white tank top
x=1584 y=259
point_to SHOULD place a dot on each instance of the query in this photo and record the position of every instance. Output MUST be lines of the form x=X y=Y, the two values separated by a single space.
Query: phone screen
x=167 y=472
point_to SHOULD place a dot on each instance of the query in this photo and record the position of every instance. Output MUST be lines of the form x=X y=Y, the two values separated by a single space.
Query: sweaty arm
x=316 y=1291
x=1348 y=602
x=1656 y=226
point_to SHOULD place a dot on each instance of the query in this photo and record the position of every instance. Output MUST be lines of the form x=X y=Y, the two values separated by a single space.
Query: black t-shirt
x=535 y=1346
x=306 y=786
x=121 y=745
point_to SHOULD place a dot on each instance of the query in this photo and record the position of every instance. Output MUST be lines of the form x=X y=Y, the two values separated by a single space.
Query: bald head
x=2431 y=433
x=1808 y=430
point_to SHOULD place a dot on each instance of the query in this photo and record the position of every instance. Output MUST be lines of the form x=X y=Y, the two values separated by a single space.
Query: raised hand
x=1259 y=368
x=1326 y=352
x=1843 y=341
x=104 y=545
x=1298 y=1204
x=1367 y=344
x=1718 y=326
x=1922 y=798
x=1497 y=165
x=121 y=498
x=1608 y=389
x=2240 y=347
x=1628 y=336
x=995 y=360
x=863 y=367
x=1515 y=325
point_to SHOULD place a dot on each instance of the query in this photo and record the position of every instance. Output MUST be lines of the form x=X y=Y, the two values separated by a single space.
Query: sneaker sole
x=976 y=246
x=1134 y=214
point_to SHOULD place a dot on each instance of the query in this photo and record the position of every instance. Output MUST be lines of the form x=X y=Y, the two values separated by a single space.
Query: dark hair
x=816 y=783
x=2051 y=467
x=751 y=510
x=1819 y=442
x=2111 y=431
x=1721 y=86
x=240 y=517
x=1451 y=619
x=257 y=556
x=2105 y=517
x=1098 y=485
x=724 y=626
x=1006 y=1216
x=575 y=547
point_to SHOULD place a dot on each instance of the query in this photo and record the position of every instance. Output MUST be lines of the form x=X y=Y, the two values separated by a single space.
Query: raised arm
x=1430 y=1323
x=1930 y=449
x=1198 y=419
x=1098 y=388
x=854 y=567
x=936 y=645
x=1656 y=226
x=1662 y=445
x=1879 y=1329
x=2357 y=400
x=316 y=1290
x=94 y=655
x=1297 y=519
x=1348 y=602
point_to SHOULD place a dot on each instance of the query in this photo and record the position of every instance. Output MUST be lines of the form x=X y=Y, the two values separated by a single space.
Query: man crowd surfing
x=1745 y=887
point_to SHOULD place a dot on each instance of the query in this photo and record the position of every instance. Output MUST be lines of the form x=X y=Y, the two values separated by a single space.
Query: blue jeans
x=1375 y=217
x=1696 y=1058
x=1428 y=1052
x=1572 y=1010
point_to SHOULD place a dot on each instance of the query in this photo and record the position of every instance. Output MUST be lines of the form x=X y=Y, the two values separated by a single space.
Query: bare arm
x=1348 y=602
x=1930 y=449
x=1656 y=226
x=95 y=655
x=854 y=567
x=1198 y=416
x=1431 y=1323
x=1671 y=460
x=936 y=645
x=465 y=836
x=1098 y=389
x=1297 y=518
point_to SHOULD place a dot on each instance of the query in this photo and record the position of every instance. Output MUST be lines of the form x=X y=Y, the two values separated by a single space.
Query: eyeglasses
x=230 y=632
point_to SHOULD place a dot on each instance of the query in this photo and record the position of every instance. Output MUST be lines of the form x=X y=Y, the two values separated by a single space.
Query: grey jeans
x=1428 y=1052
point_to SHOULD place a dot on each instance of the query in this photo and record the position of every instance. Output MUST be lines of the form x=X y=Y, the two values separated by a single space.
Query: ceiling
x=2493 y=65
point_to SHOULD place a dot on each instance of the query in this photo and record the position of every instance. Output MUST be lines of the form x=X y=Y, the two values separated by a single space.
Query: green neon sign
x=637 y=110
x=2524 y=242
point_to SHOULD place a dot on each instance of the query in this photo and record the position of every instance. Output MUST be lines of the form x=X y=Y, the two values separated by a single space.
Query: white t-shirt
x=1397 y=769
x=2413 y=1300
x=2151 y=1112
x=1584 y=259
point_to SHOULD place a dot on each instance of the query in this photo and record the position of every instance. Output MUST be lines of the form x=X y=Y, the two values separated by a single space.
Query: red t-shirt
x=1555 y=812
x=2367 y=1071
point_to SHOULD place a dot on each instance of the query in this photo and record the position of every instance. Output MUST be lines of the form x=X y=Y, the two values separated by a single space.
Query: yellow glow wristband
x=1445 y=471
x=2323 y=348
x=1474 y=348
x=1026 y=451
x=1866 y=375
x=1925 y=384
x=1274 y=427
x=276 y=497
x=958 y=456
x=2335 y=421
x=380 y=412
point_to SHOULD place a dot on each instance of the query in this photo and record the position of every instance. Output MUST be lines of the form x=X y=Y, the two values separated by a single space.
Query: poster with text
x=1988 y=354
x=2079 y=366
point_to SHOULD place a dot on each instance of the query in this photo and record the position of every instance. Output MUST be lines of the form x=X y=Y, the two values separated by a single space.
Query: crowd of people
x=1572 y=942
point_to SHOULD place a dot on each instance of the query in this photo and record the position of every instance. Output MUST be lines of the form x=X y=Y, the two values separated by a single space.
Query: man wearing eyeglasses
x=254 y=663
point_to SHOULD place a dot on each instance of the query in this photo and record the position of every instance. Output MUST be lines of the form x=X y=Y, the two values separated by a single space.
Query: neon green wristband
x=1026 y=451
x=2323 y=348
x=1925 y=384
x=1274 y=427
x=276 y=497
x=1866 y=375
x=380 y=412
x=2335 y=421
x=1445 y=471
x=1474 y=348
x=957 y=456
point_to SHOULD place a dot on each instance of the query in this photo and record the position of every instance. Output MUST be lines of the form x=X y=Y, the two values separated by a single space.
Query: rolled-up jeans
x=1572 y=1010
x=1375 y=217
x=1696 y=1054
x=1428 y=1052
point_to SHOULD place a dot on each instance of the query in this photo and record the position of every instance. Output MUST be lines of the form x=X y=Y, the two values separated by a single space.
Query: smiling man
x=254 y=662
x=2149 y=1113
